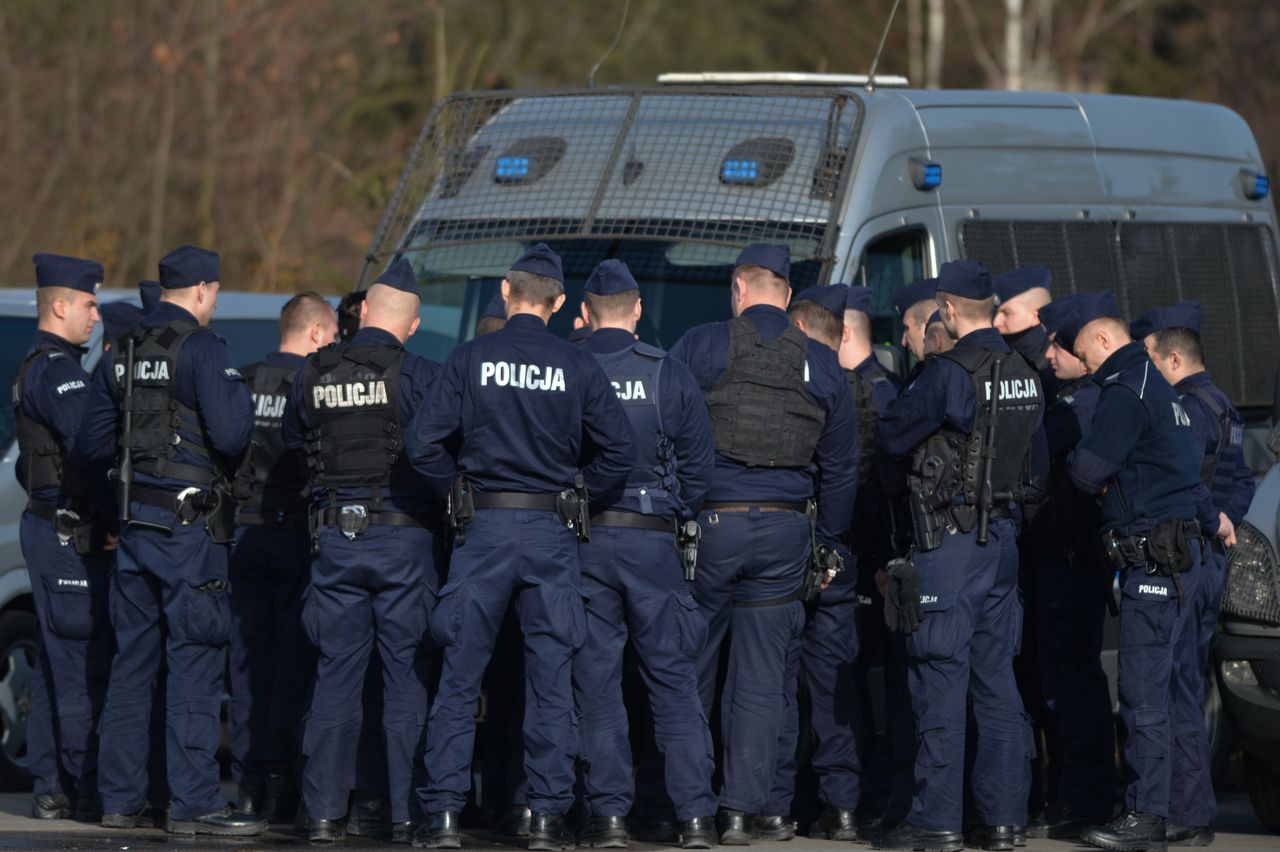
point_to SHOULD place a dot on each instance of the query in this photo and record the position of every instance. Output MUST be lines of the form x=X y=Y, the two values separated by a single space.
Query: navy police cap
x=858 y=299
x=149 y=293
x=924 y=290
x=57 y=270
x=187 y=266
x=1182 y=315
x=610 y=278
x=118 y=319
x=830 y=296
x=497 y=307
x=400 y=276
x=967 y=279
x=1061 y=318
x=936 y=316
x=540 y=260
x=776 y=259
x=1096 y=306
x=1018 y=281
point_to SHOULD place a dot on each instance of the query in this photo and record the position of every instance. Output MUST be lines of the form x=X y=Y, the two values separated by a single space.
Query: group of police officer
x=352 y=530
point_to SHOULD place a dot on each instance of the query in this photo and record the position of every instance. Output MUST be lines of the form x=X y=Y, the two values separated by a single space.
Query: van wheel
x=17 y=665
x=1263 y=783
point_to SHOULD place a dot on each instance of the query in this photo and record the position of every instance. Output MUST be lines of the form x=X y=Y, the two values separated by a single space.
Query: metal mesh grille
x=709 y=164
x=1228 y=267
x=1253 y=585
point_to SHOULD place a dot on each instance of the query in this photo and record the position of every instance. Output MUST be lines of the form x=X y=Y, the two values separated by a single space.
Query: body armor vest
x=1217 y=468
x=652 y=487
x=153 y=437
x=40 y=452
x=948 y=465
x=352 y=395
x=868 y=416
x=279 y=485
x=760 y=412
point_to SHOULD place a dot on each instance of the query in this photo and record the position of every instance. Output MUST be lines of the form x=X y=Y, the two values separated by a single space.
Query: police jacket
x=942 y=399
x=279 y=487
x=1067 y=511
x=1140 y=447
x=402 y=394
x=1219 y=430
x=832 y=474
x=674 y=447
x=1033 y=344
x=522 y=410
x=214 y=420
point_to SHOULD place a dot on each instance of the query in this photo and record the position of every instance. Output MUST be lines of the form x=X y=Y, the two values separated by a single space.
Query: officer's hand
x=881 y=579
x=1226 y=530
x=111 y=542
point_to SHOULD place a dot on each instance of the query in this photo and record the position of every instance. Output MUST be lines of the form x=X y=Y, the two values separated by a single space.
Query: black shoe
x=88 y=809
x=326 y=832
x=402 y=832
x=835 y=824
x=51 y=806
x=515 y=821
x=1020 y=833
x=1062 y=823
x=1189 y=835
x=1132 y=831
x=438 y=831
x=369 y=816
x=997 y=838
x=698 y=833
x=249 y=800
x=144 y=818
x=549 y=833
x=224 y=823
x=733 y=827
x=280 y=799
x=912 y=838
x=662 y=831
x=773 y=828
x=604 y=832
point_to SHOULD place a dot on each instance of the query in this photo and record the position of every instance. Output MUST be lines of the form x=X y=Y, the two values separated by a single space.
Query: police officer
x=513 y=418
x=914 y=304
x=271 y=663
x=964 y=489
x=1172 y=338
x=149 y=294
x=349 y=313
x=1140 y=455
x=187 y=421
x=822 y=662
x=785 y=432
x=1020 y=295
x=494 y=316
x=632 y=578
x=63 y=533
x=374 y=576
x=118 y=319
x=1070 y=585
x=936 y=338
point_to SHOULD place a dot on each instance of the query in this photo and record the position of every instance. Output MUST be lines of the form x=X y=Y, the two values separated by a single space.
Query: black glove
x=902 y=610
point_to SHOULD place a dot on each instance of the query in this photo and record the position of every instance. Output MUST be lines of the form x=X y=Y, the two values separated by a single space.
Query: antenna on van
x=884 y=36
x=591 y=75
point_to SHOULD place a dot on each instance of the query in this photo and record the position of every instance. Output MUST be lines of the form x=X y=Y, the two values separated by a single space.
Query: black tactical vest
x=153 y=436
x=760 y=412
x=39 y=450
x=352 y=394
x=279 y=484
x=867 y=418
x=949 y=463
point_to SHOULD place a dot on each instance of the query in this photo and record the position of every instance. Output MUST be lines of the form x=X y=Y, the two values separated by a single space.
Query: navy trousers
x=961 y=656
x=376 y=591
x=528 y=555
x=636 y=589
x=73 y=658
x=748 y=565
x=168 y=602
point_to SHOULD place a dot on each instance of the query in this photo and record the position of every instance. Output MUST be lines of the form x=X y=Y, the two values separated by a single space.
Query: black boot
x=438 y=831
x=326 y=832
x=1132 y=831
x=402 y=832
x=912 y=838
x=998 y=838
x=224 y=823
x=1062 y=823
x=661 y=831
x=1020 y=834
x=835 y=824
x=698 y=833
x=249 y=799
x=773 y=828
x=51 y=806
x=549 y=833
x=1189 y=835
x=280 y=799
x=515 y=821
x=369 y=815
x=144 y=818
x=734 y=828
x=605 y=832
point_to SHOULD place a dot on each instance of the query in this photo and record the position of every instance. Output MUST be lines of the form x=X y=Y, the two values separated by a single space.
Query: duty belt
x=158 y=497
x=514 y=500
x=292 y=521
x=763 y=505
x=42 y=510
x=330 y=517
x=632 y=521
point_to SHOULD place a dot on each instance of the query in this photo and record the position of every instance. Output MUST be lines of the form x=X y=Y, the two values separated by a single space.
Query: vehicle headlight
x=1253 y=579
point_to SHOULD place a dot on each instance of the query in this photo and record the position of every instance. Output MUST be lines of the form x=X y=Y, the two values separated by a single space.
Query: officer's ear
x=585 y=312
x=787 y=303
x=364 y=311
x=506 y=291
x=413 y=327
x=845 y=333
x=637 y=311
x=559 y=303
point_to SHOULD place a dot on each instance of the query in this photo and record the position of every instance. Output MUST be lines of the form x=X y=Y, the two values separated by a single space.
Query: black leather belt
x=632 y=521
x=747 y=505
x=293 y=521
x=329 y=518
x=158 y=497
x=514 y=500
x=42 y=510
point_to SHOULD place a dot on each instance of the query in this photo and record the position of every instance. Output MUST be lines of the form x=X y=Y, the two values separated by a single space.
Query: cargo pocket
x=1151 y=731
x=445 y=622
x=71 y=607
x=690 y=626
x=206 y=613
x=933 y=747
x=939 y=635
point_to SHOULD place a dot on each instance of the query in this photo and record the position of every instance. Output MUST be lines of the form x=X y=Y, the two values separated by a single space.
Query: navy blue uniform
x=1219 y=432
x=373 y=590
x=752 y=562
x=635 y=588
x=965 y=646
x=1141 y=449
x=169 y=594
x=517 y=411
x=70 y=590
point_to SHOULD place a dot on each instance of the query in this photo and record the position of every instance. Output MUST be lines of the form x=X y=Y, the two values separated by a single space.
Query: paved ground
x=1238 y=831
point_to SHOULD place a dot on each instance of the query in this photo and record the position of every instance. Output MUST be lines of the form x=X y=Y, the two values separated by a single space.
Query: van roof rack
x=748 y=78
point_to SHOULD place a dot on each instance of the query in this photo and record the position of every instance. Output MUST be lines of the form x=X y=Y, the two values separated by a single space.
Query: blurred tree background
x=274 y=130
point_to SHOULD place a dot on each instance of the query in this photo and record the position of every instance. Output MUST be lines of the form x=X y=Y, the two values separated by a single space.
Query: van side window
x=888 y=263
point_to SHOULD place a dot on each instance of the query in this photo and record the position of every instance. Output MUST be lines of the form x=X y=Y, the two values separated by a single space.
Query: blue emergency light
x=511 y=169
x=1256 y=186
x=740 y=171
x=925 y=176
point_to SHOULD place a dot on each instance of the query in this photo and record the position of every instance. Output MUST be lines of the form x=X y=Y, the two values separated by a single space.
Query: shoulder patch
x=232 y=374
x=54 y=356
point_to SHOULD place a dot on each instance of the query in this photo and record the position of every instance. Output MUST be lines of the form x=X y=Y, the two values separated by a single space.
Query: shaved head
x=391 y=310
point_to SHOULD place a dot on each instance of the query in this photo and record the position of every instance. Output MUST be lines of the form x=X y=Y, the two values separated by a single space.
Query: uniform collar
x=373 y=336
x=48 y=338
x=987 y=338
x=765 y=311
x=284 y=359
x=868 y=363
x=1130 y=355
x=1195 y=380
x=526 y=322
x=1030 y=341
x=610 y=340
x=167 y=312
